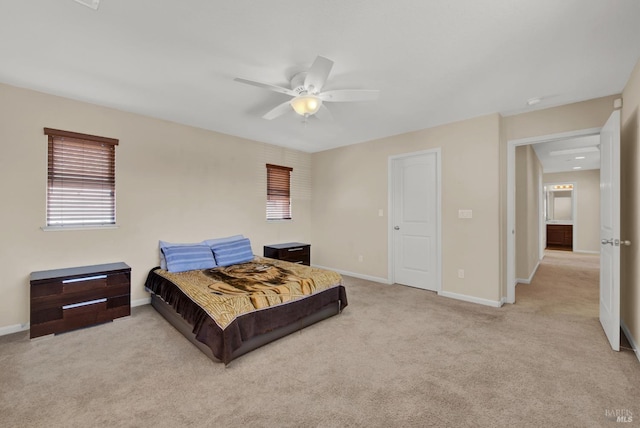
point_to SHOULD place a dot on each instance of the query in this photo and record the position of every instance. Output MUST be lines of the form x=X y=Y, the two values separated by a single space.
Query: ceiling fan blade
x=324 y=114
x=274 y=88
x=347 y=95
x=278 y=111
x=317 y=74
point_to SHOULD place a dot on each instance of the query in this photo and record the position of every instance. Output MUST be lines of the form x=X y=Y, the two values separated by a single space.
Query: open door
x=610 y=229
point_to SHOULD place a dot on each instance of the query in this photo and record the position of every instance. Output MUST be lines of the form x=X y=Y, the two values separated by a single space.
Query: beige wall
x=173 y=182
x=571 y=117
x=350 y=186
x=528 y=174
x=630 y=205
x=587 y=229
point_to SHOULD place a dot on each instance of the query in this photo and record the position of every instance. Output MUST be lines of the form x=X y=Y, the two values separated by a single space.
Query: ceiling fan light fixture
x=306 y=105
x=308 y=98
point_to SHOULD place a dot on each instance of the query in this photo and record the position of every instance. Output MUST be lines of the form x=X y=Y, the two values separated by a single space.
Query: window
x=81 y=180
x=278 y=192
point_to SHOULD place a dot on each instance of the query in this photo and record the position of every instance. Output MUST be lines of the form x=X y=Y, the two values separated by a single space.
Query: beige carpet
x=396 y=357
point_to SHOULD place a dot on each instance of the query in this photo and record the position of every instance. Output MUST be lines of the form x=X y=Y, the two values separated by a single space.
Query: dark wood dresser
x=67 y=299
x=294 y=252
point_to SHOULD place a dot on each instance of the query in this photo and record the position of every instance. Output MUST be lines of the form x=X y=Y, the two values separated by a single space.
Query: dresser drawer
x=73 y=296
x=66 y=286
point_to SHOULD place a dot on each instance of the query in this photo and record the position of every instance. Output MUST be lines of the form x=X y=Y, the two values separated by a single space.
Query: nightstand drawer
x=294 y=252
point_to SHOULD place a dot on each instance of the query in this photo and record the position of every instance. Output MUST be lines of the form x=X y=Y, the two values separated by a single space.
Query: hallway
x=568 y=284
x=565 y=283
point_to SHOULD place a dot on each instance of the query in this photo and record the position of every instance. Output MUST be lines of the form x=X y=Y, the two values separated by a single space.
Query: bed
x=231 y=310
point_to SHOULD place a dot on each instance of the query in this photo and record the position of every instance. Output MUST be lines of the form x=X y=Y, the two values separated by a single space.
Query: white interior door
x=414 y=204
x=610 y=229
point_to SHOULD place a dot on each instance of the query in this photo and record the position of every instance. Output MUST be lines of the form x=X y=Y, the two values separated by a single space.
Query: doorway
x=560 y=216
x=511 y=195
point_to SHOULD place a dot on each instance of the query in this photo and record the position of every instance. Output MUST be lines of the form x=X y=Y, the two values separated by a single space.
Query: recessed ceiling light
x=577 y=167
x=93 y=4
x=534 y=100
x=580 y=157
x=588 y=149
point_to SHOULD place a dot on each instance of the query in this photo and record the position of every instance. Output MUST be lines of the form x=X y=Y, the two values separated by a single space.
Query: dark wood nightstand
x=294 y=252
x=67 y=299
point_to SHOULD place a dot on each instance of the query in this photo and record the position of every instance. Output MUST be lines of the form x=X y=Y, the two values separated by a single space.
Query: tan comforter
x=227 y=292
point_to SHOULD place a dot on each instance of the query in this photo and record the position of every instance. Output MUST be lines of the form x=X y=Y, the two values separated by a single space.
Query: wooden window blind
x=81 y=179
x=278 y=192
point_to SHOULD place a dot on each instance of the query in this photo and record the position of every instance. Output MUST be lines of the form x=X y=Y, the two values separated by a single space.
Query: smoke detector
x=533 y=101
x=93 y=4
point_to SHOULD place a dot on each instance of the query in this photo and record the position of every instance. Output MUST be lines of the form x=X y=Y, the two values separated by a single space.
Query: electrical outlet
x=360 y=258
x=461 y=273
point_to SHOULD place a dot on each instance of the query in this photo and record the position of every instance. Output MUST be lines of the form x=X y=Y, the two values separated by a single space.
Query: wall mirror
x=559 y=203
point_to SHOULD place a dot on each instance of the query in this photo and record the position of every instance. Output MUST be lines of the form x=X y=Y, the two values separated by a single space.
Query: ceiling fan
x=306 y=90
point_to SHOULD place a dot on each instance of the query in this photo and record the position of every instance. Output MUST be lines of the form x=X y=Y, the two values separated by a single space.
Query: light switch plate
x=465 y=213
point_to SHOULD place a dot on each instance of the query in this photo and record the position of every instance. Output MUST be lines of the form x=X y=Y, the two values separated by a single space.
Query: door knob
x=397 y=227
x=607 y=241
x=626 y=243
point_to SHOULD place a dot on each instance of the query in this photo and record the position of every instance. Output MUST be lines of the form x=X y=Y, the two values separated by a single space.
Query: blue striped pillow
x=164 y=244
x=188 y=257
x=216 y=241
x=231 y=253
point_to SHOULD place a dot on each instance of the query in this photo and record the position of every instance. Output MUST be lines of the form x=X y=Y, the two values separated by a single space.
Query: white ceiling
x=574 y=154
x=434 y=61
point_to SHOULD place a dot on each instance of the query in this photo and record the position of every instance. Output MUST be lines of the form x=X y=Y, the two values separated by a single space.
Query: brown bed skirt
x=250 y=330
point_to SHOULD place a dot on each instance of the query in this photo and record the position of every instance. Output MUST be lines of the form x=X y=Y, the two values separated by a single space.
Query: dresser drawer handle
x=90 y=302
x=86 y=278
x=295 y=249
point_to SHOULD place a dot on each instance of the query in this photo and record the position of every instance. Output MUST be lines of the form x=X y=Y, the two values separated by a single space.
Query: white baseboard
x=356 y=275
x=16 y=328
x=528 y=280
x=141 y=302
x=631 y=339
x=464 y=297
x=471 y=299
